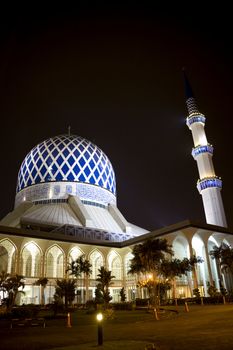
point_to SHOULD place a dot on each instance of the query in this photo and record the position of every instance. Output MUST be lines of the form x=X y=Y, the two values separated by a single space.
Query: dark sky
x=114 y=74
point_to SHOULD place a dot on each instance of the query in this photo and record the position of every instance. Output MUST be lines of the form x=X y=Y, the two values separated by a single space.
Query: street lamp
x=99 y=318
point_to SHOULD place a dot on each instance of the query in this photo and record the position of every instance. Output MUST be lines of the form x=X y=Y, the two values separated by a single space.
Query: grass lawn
x=203 y=327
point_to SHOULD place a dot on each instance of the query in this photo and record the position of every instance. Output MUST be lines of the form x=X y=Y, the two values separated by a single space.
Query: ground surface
x=203 y=327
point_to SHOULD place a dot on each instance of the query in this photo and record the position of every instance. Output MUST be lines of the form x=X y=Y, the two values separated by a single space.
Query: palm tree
x=85 y=267
x=224 y=259
x=224 y=254
x=173 y=268
x=105 y=281
x=12 y=285
x=3 y=280
x=122 y=295
x=42 y=282
x=65 y=289
x=147 y=260
x=79 y=266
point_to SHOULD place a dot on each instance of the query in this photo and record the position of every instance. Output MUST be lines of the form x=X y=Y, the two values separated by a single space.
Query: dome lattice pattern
x=67 y=158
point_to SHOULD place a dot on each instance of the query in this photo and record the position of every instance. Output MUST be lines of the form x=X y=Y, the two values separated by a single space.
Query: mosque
x=66 y=206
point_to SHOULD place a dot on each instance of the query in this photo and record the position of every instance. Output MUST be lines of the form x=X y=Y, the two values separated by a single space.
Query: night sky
x=114 y=74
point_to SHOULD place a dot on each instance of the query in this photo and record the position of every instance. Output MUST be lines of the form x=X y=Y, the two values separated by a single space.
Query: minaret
x=209 y=185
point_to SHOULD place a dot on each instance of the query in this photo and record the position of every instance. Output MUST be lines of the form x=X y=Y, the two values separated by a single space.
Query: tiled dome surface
x=67 y=158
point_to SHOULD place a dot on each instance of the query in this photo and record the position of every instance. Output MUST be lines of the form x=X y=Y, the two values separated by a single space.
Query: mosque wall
x=35 y=258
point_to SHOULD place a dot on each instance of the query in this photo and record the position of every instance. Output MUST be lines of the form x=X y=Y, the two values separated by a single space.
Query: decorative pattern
x=202 y=149
x=209 y=182
x=89 y=234
x=191 y=105
x=54 y=191
x=67 y=158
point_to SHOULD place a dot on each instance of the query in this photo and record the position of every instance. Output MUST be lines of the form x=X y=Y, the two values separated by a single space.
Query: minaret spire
x=190 y=100
x=209 y=185
x=187 y=86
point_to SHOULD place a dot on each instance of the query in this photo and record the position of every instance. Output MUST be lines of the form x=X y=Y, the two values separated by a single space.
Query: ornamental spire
x=190 y=100
x=209 y=185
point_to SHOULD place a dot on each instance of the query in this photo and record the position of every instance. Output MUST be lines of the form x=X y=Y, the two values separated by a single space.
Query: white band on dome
x=61 y=190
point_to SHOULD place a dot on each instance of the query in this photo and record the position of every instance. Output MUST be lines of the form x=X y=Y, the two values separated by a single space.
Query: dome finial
x=69 y=130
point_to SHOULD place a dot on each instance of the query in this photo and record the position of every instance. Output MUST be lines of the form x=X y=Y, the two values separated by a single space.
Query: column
x=208 y=263
x=194 y=272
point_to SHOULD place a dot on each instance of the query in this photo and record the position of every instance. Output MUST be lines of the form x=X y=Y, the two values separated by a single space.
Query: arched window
x=114 y=265
x=74 y=254
x=3 y=259
x=96 y=260
x=7 y=256
x=128 y=259
x=181 y=248
x=55 y=262
x=201 y=269
x=31 y=260
x=127 y=265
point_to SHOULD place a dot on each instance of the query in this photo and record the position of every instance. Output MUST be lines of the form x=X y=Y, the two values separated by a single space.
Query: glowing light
x=99 y=316
x=32 y=248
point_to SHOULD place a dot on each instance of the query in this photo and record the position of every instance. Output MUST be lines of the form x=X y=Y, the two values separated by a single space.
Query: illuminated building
x=66 y=206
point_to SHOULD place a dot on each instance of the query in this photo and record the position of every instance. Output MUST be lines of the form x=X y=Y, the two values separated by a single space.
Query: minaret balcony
x=209 y=182
x=202 y=149
x=195 y=118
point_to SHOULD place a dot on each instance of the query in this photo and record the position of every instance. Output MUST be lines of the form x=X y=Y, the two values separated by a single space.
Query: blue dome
x=67 y=158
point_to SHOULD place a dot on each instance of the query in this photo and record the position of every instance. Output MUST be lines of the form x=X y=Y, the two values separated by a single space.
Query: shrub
x=196 y=293
x=109 y=314
x=91 y=306
x=122 y=306
x=142 y=302
x=122 y=295
x=25 y=311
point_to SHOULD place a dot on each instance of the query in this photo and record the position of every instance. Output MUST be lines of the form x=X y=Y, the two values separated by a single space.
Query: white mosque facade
x=66 y=206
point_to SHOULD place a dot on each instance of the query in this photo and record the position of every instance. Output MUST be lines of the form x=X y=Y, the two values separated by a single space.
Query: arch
x=225 y=241
x=202 y=268
x=96 y=259
x=221 y=277
x=215 y=269
x=180 y=247
x=213 y=241
x=127 y=263
x=31 y=260
x=54 y=262
x=74 y=253
x=226 y=273
x=115 y=264
x=7 y=256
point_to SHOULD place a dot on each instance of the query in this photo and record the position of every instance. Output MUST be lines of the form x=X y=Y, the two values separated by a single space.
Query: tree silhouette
x=105 y=281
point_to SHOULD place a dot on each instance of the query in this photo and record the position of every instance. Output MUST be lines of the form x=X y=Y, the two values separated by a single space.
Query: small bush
x=91 y=306
x=25 y=311
x=109 y=314
x=122 y=306
x=142 y=302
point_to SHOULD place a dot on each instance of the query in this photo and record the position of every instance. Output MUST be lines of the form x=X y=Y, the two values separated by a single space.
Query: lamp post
x=99 y=318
